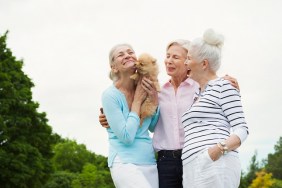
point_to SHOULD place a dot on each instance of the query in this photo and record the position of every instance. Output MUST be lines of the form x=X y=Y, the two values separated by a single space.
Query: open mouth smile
x=188 y=71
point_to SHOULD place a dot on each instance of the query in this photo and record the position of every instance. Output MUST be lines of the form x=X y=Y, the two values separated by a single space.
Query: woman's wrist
x=215 y=153
x=222 y=145
x=220 y=148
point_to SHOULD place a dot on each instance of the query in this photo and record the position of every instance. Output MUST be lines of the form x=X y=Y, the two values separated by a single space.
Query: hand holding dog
x=151 y=89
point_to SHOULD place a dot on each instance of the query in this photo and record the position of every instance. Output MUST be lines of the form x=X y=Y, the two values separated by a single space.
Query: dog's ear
x=154 y=61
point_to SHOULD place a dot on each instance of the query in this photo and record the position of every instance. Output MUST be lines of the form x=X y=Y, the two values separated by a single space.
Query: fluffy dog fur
x=147 y=66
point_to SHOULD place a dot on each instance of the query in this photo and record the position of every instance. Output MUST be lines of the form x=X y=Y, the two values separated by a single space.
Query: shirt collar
x=188 y=81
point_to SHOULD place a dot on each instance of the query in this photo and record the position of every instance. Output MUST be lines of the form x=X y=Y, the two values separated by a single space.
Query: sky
x=65 y=44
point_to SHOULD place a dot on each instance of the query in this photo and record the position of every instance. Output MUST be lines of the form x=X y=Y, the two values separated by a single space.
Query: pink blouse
x=169 y=133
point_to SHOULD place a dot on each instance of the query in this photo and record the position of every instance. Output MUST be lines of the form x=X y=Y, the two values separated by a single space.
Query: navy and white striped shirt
x=212 y=118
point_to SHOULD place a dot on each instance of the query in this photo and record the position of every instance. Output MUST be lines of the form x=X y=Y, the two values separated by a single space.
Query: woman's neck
x=176 y=81
x=126 y=85
x=205 y=79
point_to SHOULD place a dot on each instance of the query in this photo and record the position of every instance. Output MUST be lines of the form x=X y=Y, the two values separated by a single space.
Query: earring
x=115 y=70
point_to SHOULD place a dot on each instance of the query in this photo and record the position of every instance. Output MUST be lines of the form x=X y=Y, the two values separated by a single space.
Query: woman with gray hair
x=215 y=124
x=131 y=155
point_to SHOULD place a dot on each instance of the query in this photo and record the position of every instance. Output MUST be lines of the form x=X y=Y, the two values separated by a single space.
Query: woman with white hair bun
x=215 y=124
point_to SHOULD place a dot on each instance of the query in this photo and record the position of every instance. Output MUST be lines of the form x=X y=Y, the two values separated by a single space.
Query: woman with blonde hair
x=131 y=155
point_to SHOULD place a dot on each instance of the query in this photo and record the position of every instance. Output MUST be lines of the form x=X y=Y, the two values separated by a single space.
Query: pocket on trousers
x=204 y=161
x=208 y=156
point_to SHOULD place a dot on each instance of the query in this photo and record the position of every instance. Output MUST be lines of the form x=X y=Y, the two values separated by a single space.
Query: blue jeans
x=170 y=170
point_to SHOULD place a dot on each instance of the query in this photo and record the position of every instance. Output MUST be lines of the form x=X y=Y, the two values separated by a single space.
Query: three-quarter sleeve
x=230 y=102
x=124 y=128
x=155 y=119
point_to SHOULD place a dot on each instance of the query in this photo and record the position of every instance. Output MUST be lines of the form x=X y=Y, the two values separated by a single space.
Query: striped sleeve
x=231 y=105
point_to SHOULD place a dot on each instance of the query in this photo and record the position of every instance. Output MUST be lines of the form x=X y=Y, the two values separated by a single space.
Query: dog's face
x=146 y=64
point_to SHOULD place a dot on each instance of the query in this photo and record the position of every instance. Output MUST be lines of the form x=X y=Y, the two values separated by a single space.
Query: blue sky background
x=65 y=45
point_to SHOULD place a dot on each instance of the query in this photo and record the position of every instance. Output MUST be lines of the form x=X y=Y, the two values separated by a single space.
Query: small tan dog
x=147 y=66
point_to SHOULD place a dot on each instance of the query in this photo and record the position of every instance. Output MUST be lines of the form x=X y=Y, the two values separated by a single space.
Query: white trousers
x=128 y=175
x=203 y=172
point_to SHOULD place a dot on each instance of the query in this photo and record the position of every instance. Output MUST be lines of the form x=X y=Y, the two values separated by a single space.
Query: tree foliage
x=61 y=179
x=262 y=180
x=25 y=136
x=91 y=170
x=274 y=161
x=247 y=178
x=31 y=156
x=91 y=177
x=70 y=156
x=260 y=172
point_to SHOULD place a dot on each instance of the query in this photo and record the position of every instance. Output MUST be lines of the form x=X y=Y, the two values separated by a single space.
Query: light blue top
x=127 y=139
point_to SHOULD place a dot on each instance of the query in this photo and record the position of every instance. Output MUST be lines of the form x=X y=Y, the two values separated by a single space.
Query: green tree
x=70 y=156
x=60 y=179
x=243 y=181
x=25 y=136
x=274 y=161
x=88 y=178
x=246 y=179
x=101 y=162
x=277 y=183
x=91 y=177
x=105 y=178
x=91 y=170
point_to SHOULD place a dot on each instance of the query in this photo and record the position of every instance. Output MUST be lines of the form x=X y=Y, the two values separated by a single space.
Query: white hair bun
x=213 y=38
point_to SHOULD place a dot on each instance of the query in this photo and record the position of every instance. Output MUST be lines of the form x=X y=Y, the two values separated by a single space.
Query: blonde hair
x=113 y=76
x=181 y=42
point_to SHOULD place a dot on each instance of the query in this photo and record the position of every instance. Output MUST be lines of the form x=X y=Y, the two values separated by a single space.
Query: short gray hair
x=208 y=47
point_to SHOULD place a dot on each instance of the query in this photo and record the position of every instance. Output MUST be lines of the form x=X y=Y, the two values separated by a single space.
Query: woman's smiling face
x=125 y=56
x=124 y=59
x=174 y=61
x=194 y=68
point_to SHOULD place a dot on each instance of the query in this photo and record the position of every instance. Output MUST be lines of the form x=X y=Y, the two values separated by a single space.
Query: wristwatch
x=224 y=147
